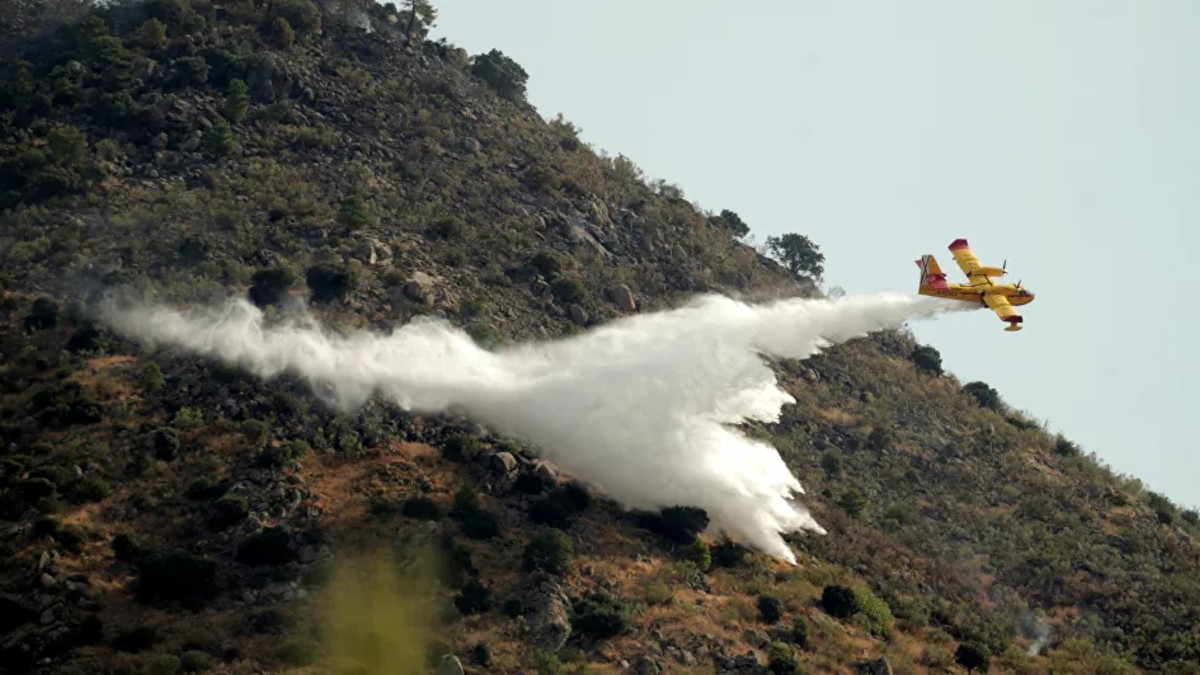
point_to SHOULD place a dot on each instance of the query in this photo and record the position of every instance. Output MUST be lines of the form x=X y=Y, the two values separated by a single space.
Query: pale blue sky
x=1063 y=136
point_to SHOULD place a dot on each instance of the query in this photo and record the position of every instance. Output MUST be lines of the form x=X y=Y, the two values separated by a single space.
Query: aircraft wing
x=967 y=261
x=1004 y=309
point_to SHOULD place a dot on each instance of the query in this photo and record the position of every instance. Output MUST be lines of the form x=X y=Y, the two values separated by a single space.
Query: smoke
x=641 y=408
x=1034 y=626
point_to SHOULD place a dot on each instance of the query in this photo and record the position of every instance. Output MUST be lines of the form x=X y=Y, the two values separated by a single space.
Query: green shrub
x=480 y=525
x=473 y=598
x=271 y=547
x=281 y=33
x=799 y=633
x=301 y=15
x=547 y=264
x=228 y=510
x=859 y=602
x=42 y=315
x=770 y=609
x=136 y=639
x=881 y=437
x=1065 y=448
x=732 y=222
x=780 y=659
x=972 y=657
x=984 y=395
x=268 y=286
x=90 y=489
x=853 y=502
x=505 y=76
x=466 y=501
x=188 y=418
x=195 y=661
x=237 y=101
x=162 y=664
x=551 y=551
x=421 y=508
x=599 y=615
x=151 y=378
x=355 y=213
x=573 y=496
x=462 y=447
x=179 y=576
x=678 y=524
x=549 y=512
x=838 y=601
x=192 y=71
x=699 y=554
x=936 y=657
x=567 y=290
x=448 y=228
x=220 y=139
x=152 y=34
x=297 y=653
x=728 y=554
x=532 y=482
x=255 y=431
x=127 y=547
x=927 y=359
x=831 y=462
x=165 y=443
x=205 y=489
x=481 y=655
x=278 y=456
x=331 y=282
x=67 y=146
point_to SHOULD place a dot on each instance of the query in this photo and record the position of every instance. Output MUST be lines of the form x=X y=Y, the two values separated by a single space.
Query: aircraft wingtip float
x=1001 y=298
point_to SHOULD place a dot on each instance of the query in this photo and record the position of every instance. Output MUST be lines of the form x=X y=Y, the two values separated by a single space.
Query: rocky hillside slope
x=163 y=513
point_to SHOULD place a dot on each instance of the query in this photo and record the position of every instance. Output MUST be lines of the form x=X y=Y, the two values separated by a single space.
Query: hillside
x=163 y=513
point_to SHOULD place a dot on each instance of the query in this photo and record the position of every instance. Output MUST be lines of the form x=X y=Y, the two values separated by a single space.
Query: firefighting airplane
x=980 y=287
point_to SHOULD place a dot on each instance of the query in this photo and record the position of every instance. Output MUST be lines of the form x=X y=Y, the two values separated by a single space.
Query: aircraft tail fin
x=932 y=275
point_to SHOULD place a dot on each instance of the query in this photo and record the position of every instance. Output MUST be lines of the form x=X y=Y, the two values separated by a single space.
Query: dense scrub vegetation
x=193 y=148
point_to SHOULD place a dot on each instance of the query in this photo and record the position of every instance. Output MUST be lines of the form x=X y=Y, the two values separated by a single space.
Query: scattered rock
x=879 y=666
x=623 y=298
x=746 y=664
x=578 y=315
x=450 y=665
x=504 y=462
x=420 y=288
x=598 y=213
x=646 y=665
x=547 y=611
x=307 y=554
x=374 y=252
x=544 y=468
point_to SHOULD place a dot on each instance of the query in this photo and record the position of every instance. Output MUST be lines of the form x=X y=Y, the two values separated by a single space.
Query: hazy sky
x=1063 y=136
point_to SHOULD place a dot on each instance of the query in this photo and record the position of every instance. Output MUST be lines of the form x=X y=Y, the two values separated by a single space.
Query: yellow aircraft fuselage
x=975 y=292
x=1001 y=298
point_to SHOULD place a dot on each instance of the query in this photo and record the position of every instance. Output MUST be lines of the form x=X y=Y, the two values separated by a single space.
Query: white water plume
x=640 y=408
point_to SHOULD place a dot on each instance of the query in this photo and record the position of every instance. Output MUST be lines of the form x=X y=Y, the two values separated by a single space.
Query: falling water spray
x=644 y=408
